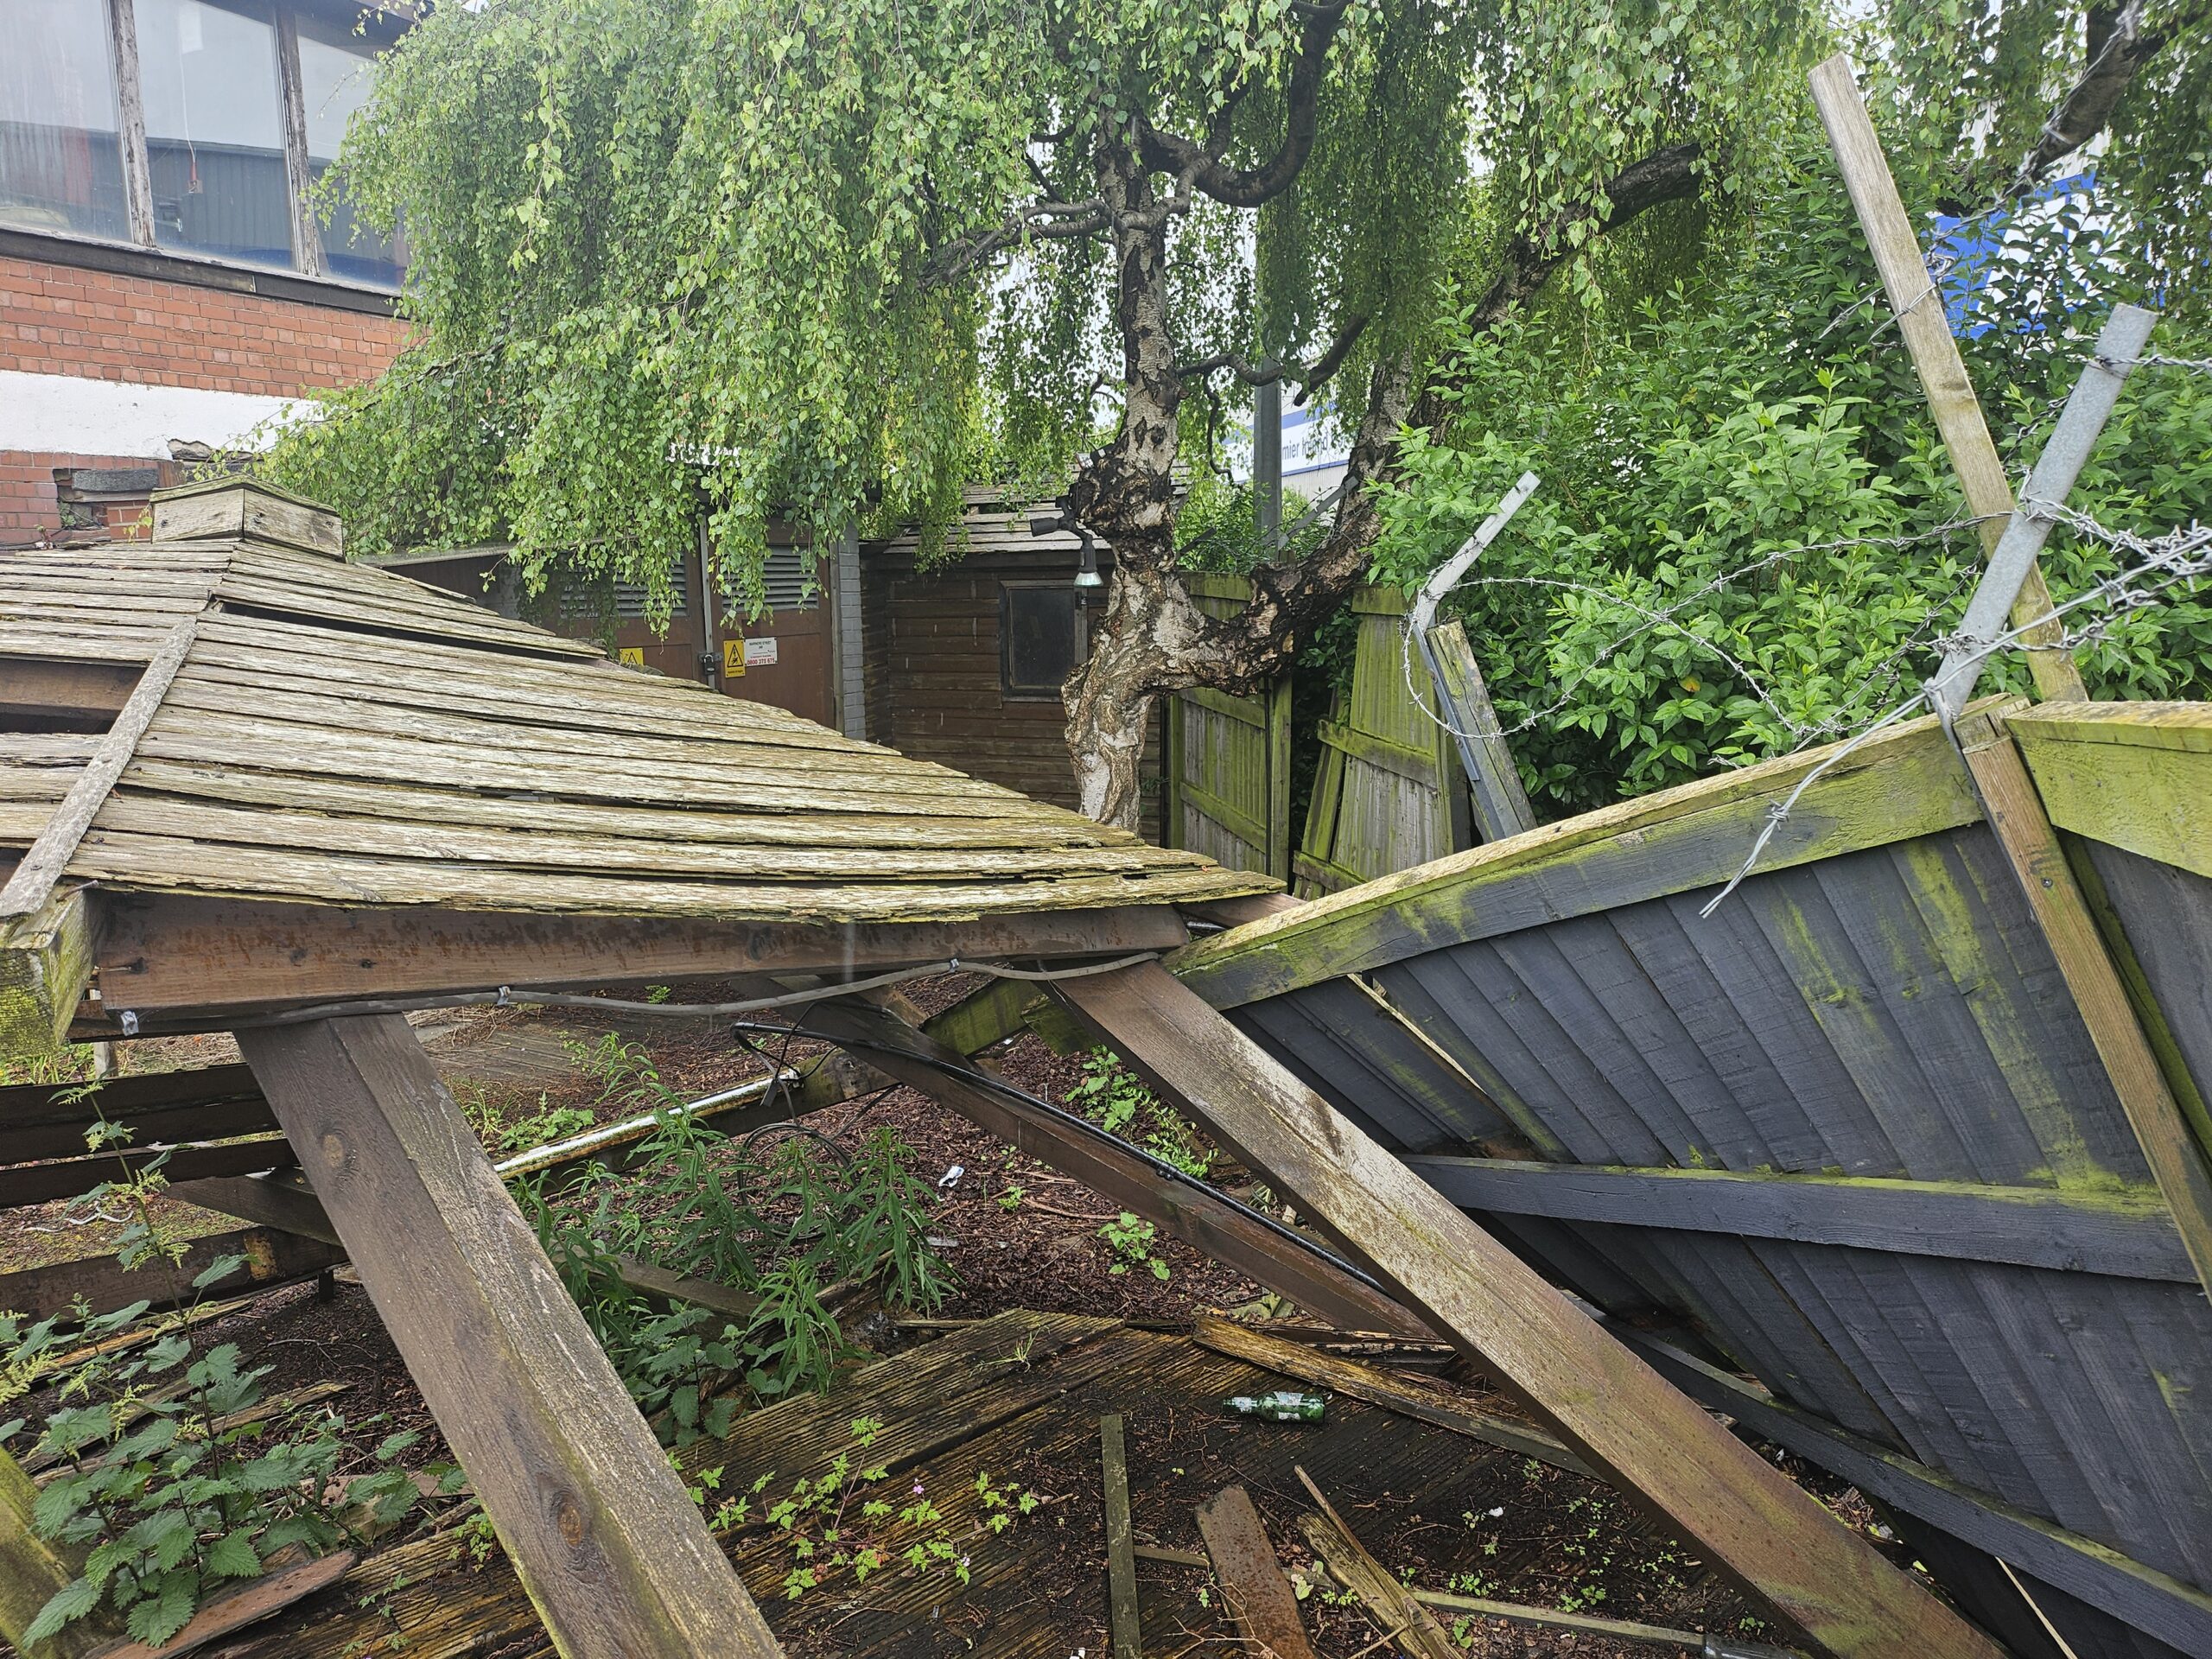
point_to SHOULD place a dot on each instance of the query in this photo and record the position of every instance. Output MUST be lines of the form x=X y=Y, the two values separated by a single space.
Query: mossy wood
x=1390 y=791
x=1226 y=780
x=1894 y=1130
x=31 y=1569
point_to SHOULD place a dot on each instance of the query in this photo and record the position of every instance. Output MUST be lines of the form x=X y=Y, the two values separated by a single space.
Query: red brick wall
x=58 y=319
x=95 y=325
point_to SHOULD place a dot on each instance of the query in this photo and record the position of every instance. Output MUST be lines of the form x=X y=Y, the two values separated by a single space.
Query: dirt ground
x=1018 y=1236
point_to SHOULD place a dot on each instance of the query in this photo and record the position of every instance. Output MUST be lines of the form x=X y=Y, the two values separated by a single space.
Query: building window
x=336 y=79
x=1040 y=638
x=243 y=106
x=61 y=131
x=214 y=131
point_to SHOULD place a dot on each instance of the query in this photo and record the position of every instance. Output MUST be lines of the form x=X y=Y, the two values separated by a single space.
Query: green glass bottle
x=1284 y=1406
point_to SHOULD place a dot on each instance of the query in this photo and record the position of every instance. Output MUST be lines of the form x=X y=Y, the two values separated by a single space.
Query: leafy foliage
x=1118 y=1101
x=176 y=1474
x=1758 y=411
x=785 y=1227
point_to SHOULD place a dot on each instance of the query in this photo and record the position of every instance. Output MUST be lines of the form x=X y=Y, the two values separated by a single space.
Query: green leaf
x=73 y=1600
x=168 y=1611
x=231 y=1556
x=218 y=1270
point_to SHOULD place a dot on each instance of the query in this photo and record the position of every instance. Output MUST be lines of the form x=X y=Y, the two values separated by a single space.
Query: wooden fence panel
x=1228 y=763
x=1389 y=793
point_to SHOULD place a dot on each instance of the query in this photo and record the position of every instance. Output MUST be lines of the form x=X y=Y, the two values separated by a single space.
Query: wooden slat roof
x=341 y=734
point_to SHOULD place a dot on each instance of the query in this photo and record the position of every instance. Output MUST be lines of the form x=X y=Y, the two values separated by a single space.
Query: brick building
x=165 y=286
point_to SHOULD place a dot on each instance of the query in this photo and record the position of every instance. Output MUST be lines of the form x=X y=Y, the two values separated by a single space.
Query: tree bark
x=1154 y=639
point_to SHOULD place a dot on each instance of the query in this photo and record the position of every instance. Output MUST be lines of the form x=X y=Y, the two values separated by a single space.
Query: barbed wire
x=2195 y=364
x=1665 y=619
x=2181 y=556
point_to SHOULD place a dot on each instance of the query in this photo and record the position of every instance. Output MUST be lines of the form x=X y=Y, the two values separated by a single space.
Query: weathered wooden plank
x=1406 y=1627
x=235 y=506
x=45 y=963
x=1189 y=1211
x=2157 y=920
x=32 y=691
x=1926 y=329
x=33 y=1568
x=1124 y=1627
x=2127 y=1234
x=68 y=1177
x=203 y=1103
x=1251 y=1578
x=271 y=1258
x=613 y=1552
x=2016 y=814
x=1908 y=782
x=2135 y=784
x=1609 y=1407
x=2152 y=1602
x=198 y=958
x=31 y=884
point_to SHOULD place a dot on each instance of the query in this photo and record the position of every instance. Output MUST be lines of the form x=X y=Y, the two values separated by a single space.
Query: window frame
x=1079 y=646
x=307 y=253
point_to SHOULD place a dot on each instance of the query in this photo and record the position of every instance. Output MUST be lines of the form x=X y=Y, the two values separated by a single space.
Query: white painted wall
x=65 y=414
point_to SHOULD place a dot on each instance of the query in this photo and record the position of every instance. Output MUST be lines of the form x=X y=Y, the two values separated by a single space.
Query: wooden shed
x=256 y=788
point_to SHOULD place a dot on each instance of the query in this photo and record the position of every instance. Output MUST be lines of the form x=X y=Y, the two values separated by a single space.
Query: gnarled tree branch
x=1169 y=152
x=2118 y=45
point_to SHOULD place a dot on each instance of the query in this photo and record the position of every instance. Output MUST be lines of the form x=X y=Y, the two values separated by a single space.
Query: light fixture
x=1086 y=562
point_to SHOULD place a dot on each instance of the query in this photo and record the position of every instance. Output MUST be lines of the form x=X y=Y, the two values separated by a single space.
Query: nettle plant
x=174 y=1472
x=790 y=1225
x=1115 y=1099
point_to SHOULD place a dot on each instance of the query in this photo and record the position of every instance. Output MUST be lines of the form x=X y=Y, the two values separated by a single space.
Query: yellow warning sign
x=733 y=659
x=633 y=656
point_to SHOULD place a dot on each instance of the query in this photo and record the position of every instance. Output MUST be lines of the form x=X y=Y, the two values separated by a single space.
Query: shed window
x=61 y=138
x=1040 y=638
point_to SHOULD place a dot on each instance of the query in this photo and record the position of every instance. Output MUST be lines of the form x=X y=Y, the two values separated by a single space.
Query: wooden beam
x=2135 y=775
x=272 y=1258
x=1766 y=1533
x=613 y=1551
x=74 y=695
x=69 y=1178
x=40 y=1120
x=1918 y=307
x=1190 y=1212
x=2055 y=898
x=2177 y=1614
x=1251 y=1578
x=45 y=963
x=2128 y=1235
x=32 y=1568
x=1905 y=783
x=184 y=963
x=1124 y=1626
x=1501 y=805
x=281 y=1199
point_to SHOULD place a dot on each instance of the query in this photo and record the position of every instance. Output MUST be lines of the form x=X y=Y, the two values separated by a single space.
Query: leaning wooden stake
x=611 y=1549
x=1764 y=1531
x=1918 y=307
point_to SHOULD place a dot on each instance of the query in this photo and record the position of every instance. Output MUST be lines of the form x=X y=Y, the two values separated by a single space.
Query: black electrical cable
x=1061 y=1114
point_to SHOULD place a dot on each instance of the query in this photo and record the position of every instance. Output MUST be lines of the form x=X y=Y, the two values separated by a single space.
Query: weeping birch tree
x=806 y=259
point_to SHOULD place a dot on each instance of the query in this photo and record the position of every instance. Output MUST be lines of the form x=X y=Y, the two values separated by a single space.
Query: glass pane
x=60 y=157
x=335 y=80
x=1039 y=649
x=214 y=131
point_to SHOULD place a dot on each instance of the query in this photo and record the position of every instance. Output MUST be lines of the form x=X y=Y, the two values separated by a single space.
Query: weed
x=1117 y=1101
x=1131 y=1241
x=507 y=1132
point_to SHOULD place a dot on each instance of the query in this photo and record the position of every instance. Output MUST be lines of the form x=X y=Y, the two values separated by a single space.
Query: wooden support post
x=31 y=1569
x=1124 y=1628
x=1765 y=1532
x=1192 y=1212
x=610 y=1547
x=46 y=962
x=2015 y=816
x=1918 y=307
x=1501 y=805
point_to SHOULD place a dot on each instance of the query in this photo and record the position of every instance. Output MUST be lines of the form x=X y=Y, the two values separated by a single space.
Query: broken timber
x=1244 y=1561
x=1617 y=1412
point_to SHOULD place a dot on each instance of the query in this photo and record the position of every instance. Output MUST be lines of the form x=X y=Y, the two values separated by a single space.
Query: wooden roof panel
x=342 y=735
